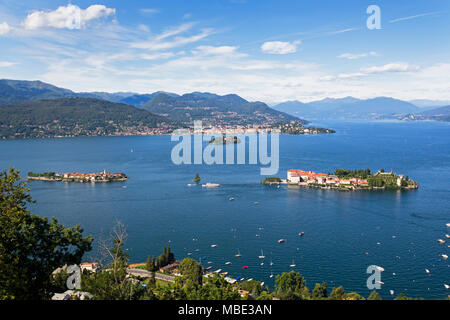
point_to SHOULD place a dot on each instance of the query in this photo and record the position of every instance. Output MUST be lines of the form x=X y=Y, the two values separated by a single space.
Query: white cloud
x=390 y=67
x=414 y=17
x=343 y=31
x=354 y=56
x=4 y=64
x=4 y=28
x=279 y=47
x=157 y=43
x=68 y=17
x=211 y=50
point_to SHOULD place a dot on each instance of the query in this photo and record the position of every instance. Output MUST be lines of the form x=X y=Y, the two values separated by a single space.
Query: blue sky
x=260 y=49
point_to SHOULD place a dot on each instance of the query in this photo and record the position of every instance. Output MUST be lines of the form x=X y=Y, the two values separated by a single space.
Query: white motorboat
x=211 y=185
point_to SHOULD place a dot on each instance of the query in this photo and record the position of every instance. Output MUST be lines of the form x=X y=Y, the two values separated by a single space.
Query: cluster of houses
x=301 y=177
x=101 y=176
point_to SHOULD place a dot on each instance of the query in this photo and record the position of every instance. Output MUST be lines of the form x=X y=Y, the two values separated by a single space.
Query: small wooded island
x=78 y=177
x=343 y=179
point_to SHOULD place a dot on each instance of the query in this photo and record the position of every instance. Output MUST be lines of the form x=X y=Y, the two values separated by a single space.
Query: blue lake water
x=345 y=232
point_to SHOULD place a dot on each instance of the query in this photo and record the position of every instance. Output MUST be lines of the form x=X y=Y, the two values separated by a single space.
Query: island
x=78 y=177
x=343 y=179
x=225 y=140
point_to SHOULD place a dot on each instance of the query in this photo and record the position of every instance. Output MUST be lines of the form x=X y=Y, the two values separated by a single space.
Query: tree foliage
x=32 y=247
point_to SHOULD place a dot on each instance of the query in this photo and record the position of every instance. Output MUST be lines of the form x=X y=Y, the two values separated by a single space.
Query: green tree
x=32 y=247
x=291 y=286
x=374 y=296
x=191 y=271
x=252 y=286
x=338 y=293
x=319 y=291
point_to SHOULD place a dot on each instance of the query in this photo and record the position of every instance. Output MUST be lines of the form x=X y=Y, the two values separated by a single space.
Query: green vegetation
x=381 y=179
x=360 y=174
x=31 y=247
x=166 y=258
x=191 y=272
x=42 y=175
x=269 y=180
x=77 y=117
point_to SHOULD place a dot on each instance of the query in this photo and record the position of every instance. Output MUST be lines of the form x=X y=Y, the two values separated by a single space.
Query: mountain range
x=348 y=108
x=38 y=109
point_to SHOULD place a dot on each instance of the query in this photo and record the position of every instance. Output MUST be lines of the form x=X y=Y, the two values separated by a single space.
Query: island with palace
x=343 y=179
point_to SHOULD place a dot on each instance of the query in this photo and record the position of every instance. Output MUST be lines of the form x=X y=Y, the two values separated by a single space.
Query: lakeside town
x=292 y=127
x=103 y=176
x=344 y=179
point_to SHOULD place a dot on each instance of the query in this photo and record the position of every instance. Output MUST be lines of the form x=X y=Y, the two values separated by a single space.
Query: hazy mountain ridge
x=348 y=108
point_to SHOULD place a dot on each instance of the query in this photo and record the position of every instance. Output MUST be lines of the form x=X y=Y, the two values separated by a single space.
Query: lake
x=345 y=232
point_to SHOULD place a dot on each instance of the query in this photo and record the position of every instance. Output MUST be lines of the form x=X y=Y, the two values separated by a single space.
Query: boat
x=281 y=240
x=224 y=273
x=293 y=264
x=301 y=234
x=447 y=236
x=391 y=292
x=208 y=268
x=271 y=275
x=444 y=256
x=209 y=262
x=189 y=253
x=427 y=271
x=262 y=256
x=228 y=263
x=245 y=267
x=231 y=199
x=211 y=185
x=197 y=250
x=238 y=255
x=446 y=286
x=440 y=241
x=262 y=284
x=271 y=262
x=448 y=224
x=213 y=245
x=262 y=263
x=242 y=279
x=381 y=269
x=250 y=279
x=217 y=271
